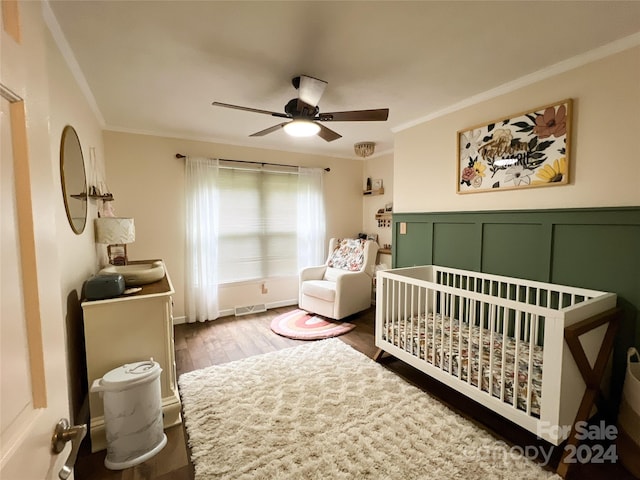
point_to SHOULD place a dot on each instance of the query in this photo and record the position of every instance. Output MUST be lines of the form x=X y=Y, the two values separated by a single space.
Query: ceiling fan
x=305 y=115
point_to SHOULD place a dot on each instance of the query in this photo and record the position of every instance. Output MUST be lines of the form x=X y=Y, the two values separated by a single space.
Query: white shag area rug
x=325 y=411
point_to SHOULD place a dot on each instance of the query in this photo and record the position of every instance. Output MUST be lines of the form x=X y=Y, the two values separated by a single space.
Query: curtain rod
x=180 y=155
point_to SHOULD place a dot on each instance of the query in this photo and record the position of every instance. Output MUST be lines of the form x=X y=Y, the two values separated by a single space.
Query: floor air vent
x=239 y=311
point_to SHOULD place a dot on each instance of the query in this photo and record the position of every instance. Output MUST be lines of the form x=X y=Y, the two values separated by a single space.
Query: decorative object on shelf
x=116 y=232
x=105 y=197
x=368 y=183
x=98 y=189
x=531 y=149
x=388 y=207
x=364 y=150
x=384 y=218
x=376 y=184
x=97 y=186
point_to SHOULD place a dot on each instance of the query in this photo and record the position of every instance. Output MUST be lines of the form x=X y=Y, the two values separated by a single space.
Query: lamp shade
x=115 y=230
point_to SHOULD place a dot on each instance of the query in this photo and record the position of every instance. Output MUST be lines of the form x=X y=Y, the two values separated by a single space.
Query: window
x=257 y=236
x=246 y=224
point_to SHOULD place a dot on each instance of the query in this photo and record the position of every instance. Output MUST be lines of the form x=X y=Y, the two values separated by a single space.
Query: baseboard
x=282 y=303
x=230 y=311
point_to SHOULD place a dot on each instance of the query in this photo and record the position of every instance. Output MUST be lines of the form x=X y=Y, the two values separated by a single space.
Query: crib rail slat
x=492 y=322
x=481 y=346
x=532 y=325
x=415 y=313
x=503 y=364
x=403 y=317
x=516 y=362
x=451 y=333
x=433 y=329
x=471 y=311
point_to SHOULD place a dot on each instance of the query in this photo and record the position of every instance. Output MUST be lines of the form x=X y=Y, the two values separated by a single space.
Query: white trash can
x=132 y=413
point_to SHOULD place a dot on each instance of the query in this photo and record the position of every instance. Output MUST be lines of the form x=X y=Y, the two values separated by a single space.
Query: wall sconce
x=116 y=232
x=364 y=149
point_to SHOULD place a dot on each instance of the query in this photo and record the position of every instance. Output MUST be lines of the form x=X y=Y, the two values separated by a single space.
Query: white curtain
x=311 y=217
x=201 y=293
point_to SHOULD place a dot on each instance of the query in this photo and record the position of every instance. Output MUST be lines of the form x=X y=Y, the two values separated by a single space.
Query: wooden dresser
x=126 y=329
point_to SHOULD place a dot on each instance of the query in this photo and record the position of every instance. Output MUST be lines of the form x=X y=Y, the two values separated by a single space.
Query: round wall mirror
x=74 y=179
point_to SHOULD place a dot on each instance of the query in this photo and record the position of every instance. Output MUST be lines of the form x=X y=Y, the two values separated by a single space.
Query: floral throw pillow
x=348 y=254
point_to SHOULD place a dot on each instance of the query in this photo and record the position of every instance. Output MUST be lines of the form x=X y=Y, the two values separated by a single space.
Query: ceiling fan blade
x=310 y=90
x=328 y=134
x=378 y=115
x=247 y=109
x=266 y=131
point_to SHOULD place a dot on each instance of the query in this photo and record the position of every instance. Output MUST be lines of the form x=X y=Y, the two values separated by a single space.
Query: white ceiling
x=156 y=66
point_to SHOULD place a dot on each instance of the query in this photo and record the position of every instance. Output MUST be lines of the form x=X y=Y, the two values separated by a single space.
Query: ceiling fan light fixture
x=301 y=128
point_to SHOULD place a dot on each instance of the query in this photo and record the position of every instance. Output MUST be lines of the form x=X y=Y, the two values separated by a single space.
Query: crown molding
x=561 y=67
x=65 y=49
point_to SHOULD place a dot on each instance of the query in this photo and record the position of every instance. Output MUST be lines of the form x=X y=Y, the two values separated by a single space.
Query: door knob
x=61 y=435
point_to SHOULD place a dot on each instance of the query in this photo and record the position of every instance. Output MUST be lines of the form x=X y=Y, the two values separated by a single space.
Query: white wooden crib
x=501 y=341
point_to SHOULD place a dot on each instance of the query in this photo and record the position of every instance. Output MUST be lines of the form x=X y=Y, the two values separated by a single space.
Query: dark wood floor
x=200 y=345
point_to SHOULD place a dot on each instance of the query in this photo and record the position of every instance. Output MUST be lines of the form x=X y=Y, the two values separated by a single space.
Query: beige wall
x=147 y=182
x=76 y=253
x=380 y=167
x=605 y=163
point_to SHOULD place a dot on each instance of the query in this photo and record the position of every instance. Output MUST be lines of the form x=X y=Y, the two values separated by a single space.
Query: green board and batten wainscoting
x=596 y=248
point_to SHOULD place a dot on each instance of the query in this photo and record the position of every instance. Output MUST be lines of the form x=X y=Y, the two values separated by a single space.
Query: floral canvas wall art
x=525 y=150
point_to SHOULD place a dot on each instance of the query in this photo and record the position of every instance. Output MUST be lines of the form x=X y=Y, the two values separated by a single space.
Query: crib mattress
x=445 y=344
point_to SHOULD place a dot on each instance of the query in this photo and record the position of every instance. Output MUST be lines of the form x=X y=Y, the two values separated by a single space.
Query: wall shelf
x=107 y=197
x=380 y=191
x=384 y=219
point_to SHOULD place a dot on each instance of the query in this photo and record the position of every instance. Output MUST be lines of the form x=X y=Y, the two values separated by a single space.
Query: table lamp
x=116 y=232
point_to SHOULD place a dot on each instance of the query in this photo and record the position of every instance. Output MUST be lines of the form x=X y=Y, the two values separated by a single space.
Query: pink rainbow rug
x=301 y=325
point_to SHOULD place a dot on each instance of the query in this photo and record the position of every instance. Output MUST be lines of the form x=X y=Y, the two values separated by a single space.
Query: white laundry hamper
x=132 y=413
x=628 y=441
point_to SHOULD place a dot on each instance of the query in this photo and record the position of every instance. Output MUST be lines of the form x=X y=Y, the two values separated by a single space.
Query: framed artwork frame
x=376 y=184
x=529 y=149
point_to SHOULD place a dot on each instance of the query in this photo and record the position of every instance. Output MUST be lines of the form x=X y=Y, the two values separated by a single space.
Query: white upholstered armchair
x=342 y=286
